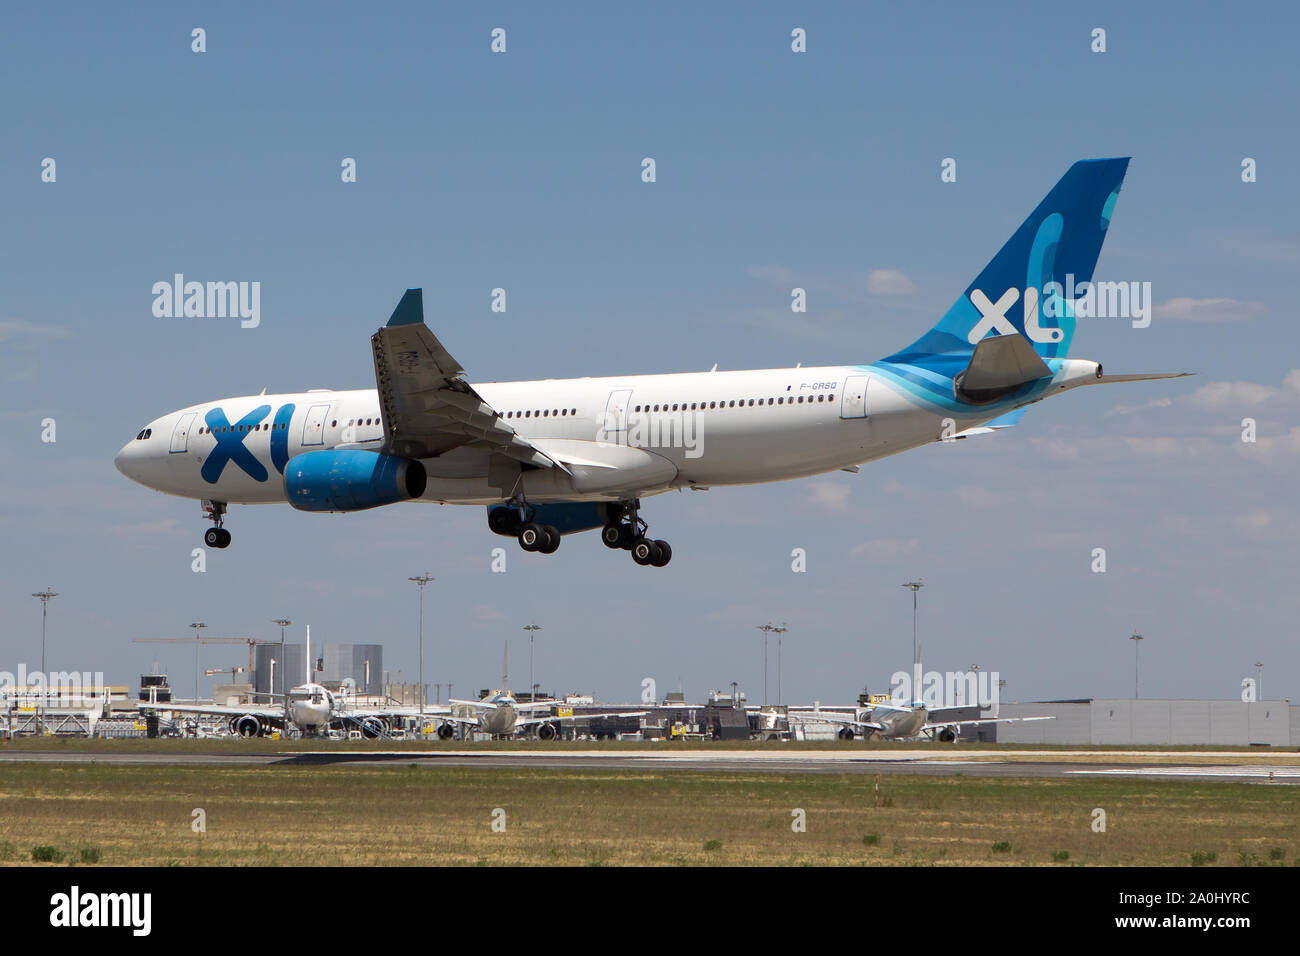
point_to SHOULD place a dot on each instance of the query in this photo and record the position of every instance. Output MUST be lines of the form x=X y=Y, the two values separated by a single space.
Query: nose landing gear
x=216 y=536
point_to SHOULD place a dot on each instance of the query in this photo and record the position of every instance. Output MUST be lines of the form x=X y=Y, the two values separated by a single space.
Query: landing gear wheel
x=532 y=537
x=612 y=535
x=663 y=554
x=644 y=551
x=216 y=538
x=552 y=540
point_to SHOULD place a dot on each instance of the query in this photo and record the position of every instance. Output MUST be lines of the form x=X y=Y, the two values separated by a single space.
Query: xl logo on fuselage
x=993 y=317
x=230 y=442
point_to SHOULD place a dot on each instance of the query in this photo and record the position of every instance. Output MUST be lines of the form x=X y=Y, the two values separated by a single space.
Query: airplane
x=501 y=715
x=310 y=707
x=899 y=721
x=559 y=456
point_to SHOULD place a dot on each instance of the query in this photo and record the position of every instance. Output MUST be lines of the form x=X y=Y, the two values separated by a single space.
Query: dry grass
x=407 y=814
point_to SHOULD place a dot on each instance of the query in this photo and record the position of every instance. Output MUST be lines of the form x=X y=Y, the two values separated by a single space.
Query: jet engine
x=373 y=727
x=547 y=732
x=246 y=726
x=845 y=733
x=351 y=479
x=445 y=731
x=948 y=735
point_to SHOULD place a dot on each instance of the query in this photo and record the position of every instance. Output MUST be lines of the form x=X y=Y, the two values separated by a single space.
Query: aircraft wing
x=273 y=711
x=529 y=721
x=939 y=724
x=427 y=406
x=820 y=717
x=448 y=718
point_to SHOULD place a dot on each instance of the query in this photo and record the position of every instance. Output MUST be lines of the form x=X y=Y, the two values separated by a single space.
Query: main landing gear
x=629 y=533
x=216 y=536
x=516 y=519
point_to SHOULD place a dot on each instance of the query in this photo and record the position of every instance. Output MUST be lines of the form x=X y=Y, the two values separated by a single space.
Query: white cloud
x=1184 y=309
x=884 y=550
x=24 y=334
x=830 y=496
x=889 y=282
x=1217 y=395
x=1266 y=524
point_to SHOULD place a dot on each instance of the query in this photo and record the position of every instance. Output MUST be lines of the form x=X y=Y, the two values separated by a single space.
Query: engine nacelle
x=547 y=732
x=246 y=726
x=948 y=735
x=445 y=732
x=351 y=479
x=845 y=733
x=372 y=727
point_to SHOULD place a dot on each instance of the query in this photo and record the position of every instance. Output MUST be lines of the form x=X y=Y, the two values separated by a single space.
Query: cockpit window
x=144 y=433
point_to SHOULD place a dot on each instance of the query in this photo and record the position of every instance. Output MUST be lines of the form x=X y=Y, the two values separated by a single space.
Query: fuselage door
x=616 y=410
x=181 y=433
x=854 y=402
x=313 y=429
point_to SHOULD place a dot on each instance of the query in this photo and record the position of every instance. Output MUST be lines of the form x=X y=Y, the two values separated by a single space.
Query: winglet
x=410 y=311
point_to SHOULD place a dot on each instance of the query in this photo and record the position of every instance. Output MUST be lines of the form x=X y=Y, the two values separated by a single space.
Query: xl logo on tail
x=993 y=317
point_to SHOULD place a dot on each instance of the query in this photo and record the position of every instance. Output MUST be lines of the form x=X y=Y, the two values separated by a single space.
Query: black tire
x=532 y=537
x=643 y=551
x=663 y=554
x=212 y=537
x=612 y=536
x=225 y=538
x=552 y=540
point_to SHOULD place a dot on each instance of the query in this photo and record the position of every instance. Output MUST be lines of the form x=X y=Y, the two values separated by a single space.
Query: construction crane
x=196 y=641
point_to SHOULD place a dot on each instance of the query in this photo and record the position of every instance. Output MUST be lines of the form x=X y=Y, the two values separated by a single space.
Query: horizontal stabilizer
x=1140 y=377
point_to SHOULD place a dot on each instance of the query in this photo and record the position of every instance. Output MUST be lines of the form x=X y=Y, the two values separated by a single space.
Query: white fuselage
x=620 y=437
x=310 y=708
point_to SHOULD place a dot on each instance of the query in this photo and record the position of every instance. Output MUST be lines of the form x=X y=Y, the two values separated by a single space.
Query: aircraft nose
x=120 y=460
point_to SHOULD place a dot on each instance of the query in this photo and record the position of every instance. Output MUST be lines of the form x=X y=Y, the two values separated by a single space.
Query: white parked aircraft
x=897 y=722
x=501 y=715
x=558 y=456
x=310 y=707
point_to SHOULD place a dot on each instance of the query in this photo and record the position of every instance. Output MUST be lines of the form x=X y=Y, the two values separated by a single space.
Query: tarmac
x=1281 y=768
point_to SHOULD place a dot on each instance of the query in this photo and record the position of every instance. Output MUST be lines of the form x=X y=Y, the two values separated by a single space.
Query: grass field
x=407 y=814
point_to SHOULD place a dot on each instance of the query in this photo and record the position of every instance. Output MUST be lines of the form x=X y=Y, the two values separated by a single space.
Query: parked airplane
x=896 y=721
x=310 y=707
x=501 y=715
x=559 y=456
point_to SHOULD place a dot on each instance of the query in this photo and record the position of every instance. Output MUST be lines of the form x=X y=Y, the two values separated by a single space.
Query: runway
x=1281 y=768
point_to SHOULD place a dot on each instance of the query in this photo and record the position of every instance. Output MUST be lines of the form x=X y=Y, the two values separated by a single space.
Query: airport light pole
x=283 y=622
x=914 y=586
x=532 y=629
x=45 y=597
x=1136 y=639
x=44 y=610
x=766 y=629
x=198 y=627
x=1259 y=680
x=422 y=580
x=778 y=631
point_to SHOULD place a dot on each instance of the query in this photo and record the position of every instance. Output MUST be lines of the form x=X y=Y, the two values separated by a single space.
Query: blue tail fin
x=1015 y=291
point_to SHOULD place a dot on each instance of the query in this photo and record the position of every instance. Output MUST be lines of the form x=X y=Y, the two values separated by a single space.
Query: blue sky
x=522 y=170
